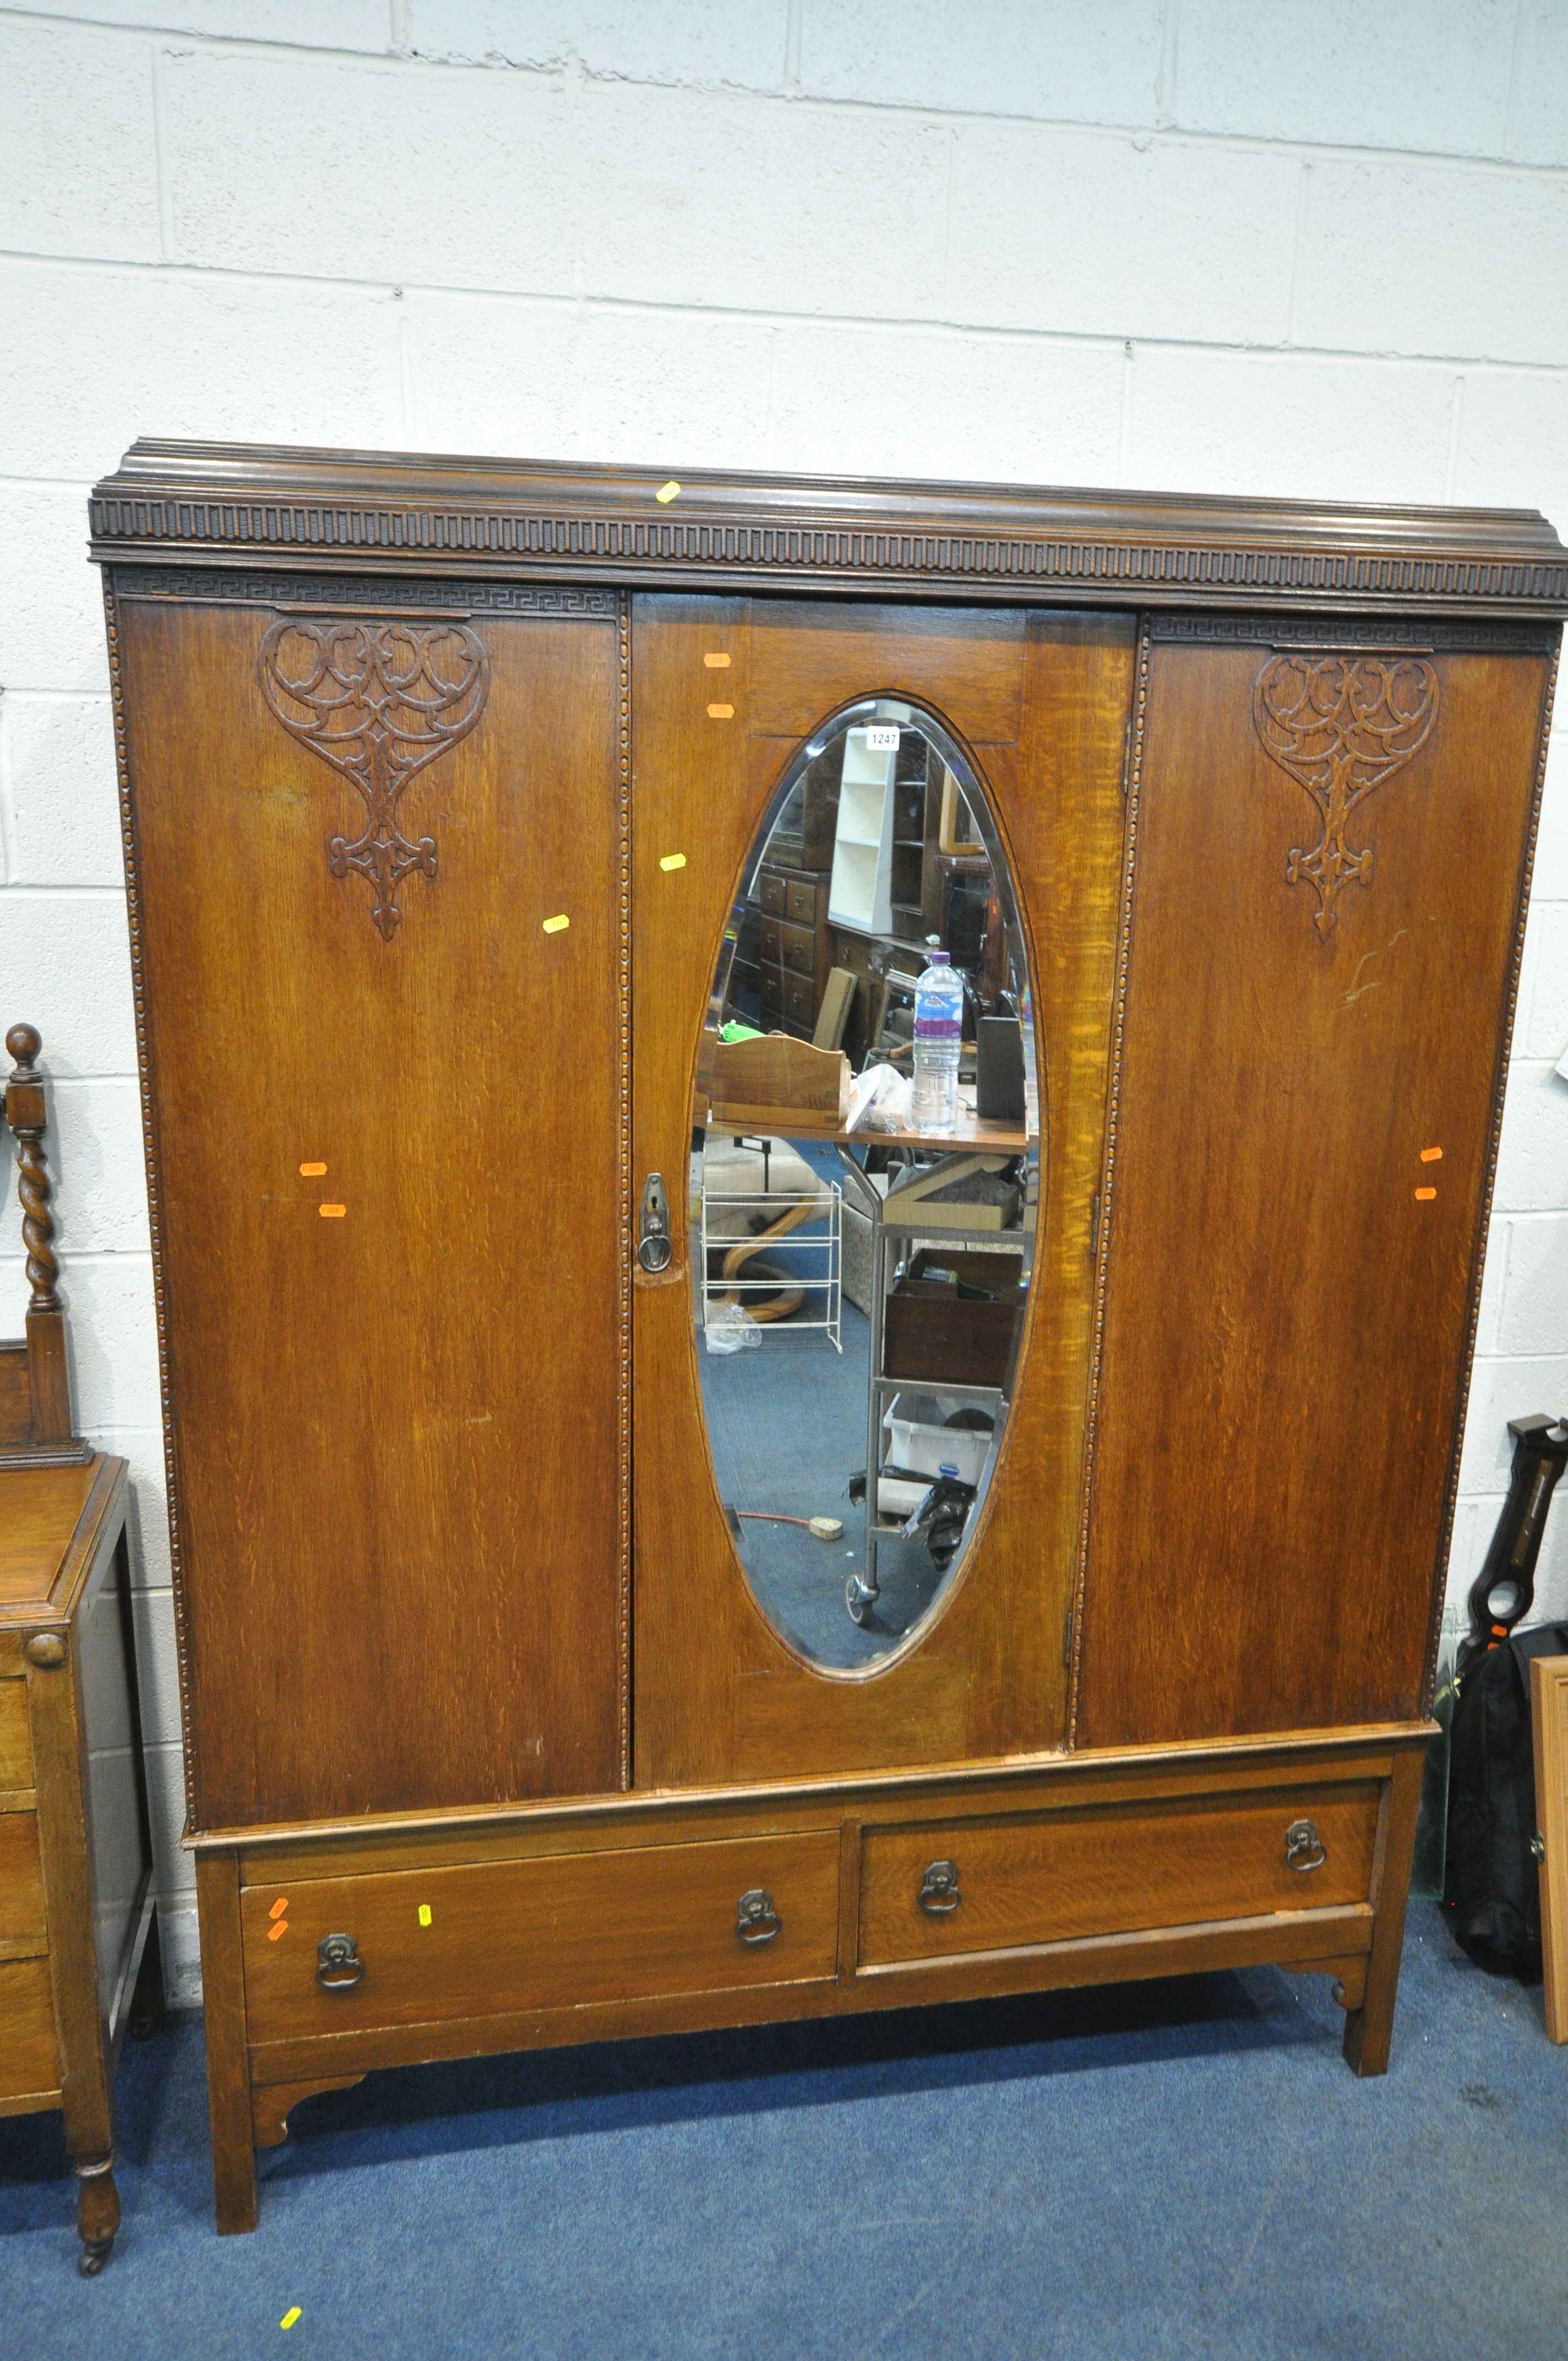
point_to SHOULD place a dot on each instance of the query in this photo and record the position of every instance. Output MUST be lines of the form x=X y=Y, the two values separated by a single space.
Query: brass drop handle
x=939 y=1888
x=338 y=1964
x=756 y=1920
x=1304 y=1848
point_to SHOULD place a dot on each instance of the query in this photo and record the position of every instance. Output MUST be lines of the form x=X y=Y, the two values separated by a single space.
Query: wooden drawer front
x=800 y=903
x=800 y=999
x=15 y=1745
x=771 y=992
x=799 y=946
x=1056 y=1876
x=772 y=892
x=770 y=942
x=556 y=1932
x=24 y=1926
x=29 y=2060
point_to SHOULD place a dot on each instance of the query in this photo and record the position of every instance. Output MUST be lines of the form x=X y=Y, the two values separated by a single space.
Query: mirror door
x=876 y=866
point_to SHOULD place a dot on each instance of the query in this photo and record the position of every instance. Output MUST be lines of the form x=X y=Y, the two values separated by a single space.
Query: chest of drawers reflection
x=525 y=1700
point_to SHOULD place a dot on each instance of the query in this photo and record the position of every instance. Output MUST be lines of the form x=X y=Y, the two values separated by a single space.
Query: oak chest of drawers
x=795 y=947
x=75 y=1855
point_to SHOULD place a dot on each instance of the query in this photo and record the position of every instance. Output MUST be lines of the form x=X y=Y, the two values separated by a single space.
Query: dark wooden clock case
x=489 y=1744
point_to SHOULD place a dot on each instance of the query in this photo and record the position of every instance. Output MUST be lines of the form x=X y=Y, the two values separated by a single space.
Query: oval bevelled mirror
x=865 y=1172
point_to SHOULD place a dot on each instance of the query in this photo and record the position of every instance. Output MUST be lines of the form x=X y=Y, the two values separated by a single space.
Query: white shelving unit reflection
x=726 y=1219
x=860 y=894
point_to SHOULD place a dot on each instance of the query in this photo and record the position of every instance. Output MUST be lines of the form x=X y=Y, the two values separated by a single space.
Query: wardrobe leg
x=97 y=2214
x=228 y=2062
x=1369 y=2028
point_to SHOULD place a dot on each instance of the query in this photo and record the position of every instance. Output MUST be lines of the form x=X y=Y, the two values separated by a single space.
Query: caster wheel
x=92 y=2260
x=858 y=1600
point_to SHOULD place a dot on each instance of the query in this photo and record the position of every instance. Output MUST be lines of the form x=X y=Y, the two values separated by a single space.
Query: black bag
x=1491 y=1893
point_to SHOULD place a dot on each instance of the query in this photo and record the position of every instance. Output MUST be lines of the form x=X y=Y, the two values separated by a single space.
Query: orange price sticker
x=279 y=1906
x=721 y=713
x=1431 y=1156
x=280 y=1928
x=717 y=662
x=332 y=1213
x=311 y=1171
x=1425 y=1196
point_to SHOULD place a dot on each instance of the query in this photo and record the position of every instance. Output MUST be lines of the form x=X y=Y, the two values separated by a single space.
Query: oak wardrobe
x=531 y=870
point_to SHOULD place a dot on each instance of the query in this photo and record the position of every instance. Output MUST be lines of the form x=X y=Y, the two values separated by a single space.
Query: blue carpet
x=1180 y=2168
x=787 y=1424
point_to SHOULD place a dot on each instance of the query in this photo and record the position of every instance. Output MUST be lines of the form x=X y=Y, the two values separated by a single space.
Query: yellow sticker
x=332 y=1213
x=717 y=662
x=311 y=1171
x=424 y=1914
x=666 y=492
x=290 y=2316
x=721 y=713
x=671 y=861
x=557 y=926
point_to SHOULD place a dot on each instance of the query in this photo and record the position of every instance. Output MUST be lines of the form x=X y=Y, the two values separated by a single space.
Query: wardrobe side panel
x=1304 y=1135
x=397 y=1425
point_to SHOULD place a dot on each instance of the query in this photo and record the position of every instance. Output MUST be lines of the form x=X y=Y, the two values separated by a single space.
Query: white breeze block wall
x=1233 y=245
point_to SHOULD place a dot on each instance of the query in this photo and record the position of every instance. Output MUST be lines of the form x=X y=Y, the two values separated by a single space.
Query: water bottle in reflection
x=938 y=1035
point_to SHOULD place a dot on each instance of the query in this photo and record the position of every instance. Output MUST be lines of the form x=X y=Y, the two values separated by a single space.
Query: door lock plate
x=654 y=1246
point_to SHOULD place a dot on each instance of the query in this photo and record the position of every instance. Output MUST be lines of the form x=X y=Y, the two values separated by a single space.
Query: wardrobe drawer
x=1049 y=1877
x=799 y=948
x=772 y=892
x=771 y=992
x=24 y=1924
x=800 y=903
x=770 y=942
x=558 y=1932
x=16 y=1743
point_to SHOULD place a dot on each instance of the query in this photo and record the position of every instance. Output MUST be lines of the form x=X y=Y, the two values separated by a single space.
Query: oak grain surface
x=719 y=1695
x=41 y=1508
x=395 y=1430
x=29 y=2060
x=15 y=1745
x=24 y=1924
x=228 y=2065
x=561 y=1933
x=1287 y=1328
x=1076 y=1874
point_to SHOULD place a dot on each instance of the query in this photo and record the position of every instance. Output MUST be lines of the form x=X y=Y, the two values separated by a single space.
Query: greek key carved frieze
x=230 y=587
x=379 y=701
x=1364 y=635
x=1342 y=725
